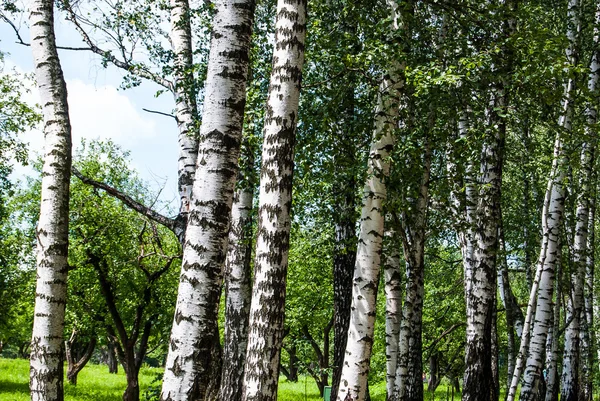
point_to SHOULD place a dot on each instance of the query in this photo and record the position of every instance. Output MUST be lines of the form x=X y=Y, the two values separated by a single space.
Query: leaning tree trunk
x=188 y=366
x=355 y=369
x=47 y=352
x=552 y=215
x=77 y=357
x=237 y=295
x=267 y=308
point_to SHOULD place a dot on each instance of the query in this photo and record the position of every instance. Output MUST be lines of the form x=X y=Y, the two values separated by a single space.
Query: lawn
x=96 y=384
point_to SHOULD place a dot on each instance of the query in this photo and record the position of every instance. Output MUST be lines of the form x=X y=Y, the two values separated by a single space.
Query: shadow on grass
x=12 y=387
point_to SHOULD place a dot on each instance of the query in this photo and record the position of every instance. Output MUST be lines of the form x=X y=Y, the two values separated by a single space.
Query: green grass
x=94 y=382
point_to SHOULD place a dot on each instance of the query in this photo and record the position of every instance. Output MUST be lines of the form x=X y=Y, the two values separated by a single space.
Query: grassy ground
x=96 y=384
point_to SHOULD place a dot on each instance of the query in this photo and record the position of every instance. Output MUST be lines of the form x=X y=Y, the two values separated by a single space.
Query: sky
x=99 y=109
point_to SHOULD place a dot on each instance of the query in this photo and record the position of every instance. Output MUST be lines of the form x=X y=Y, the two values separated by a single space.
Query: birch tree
x=47 y=352
x=353 y=381
x=393 y=304
x=193 y=334
x=237 y=292
x=265 y=331
x=554 y=204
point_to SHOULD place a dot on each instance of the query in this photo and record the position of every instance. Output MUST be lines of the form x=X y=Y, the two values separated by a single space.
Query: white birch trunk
x=588 y=332
x=393 y=305
x=552 y=347
x=47 y=352
x=237 y=296
x=575 y=306
x=184 y=91
x=355 y=369
x=552 y=215
x=193 y=334
x=409 y=381
x=267 y=308
x=353 y=382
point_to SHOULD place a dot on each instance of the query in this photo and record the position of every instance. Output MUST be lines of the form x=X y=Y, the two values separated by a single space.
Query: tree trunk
x=47 y=352
x=132 y=391
x=393 y=305
x=409 y=373
x=185 y=102
x=265 y=333
x=77 y=356
x=237 y=296
x=551 y=369
x=588 y=332
x=189 y=362
x=344 y=216
x=514 y=315
x=353 y=381
x=111 y=357
x=551 y=224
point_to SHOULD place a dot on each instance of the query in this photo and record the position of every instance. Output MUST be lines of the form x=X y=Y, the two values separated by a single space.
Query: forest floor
x=96 y=384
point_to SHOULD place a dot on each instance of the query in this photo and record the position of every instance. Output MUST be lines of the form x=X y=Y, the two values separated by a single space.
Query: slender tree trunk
x=185 y=101
x=552 y=216
x=111 y=358
x=514 y=315
x=344 y=217
x=189 y=361
x=47 y=352
x=551 y=369
x=237 y=295
x=267 y=308
x=590 y=299
x=393 y=304
x=588 y=332
x=409 y=372
x=77 y=357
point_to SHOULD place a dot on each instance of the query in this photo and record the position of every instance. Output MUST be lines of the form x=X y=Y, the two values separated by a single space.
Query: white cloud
x=103 y=112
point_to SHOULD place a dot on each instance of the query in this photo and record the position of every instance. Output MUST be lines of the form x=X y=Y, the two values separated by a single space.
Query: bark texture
x=353 y=381
x=184 y=91
x=189 y=360
x=267 y=308
x=409 y=381
x=393 y=304
x=237 y=296
x=552 y=215
x=47 y=352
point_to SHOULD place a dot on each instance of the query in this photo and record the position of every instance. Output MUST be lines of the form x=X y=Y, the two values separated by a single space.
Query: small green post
x=327 y=393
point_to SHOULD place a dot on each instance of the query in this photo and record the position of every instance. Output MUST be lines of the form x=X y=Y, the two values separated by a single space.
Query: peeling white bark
x=47 y=352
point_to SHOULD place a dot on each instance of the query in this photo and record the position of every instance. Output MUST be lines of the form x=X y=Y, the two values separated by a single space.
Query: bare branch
x=168 y=222
x=161 y=113
x=135 y=69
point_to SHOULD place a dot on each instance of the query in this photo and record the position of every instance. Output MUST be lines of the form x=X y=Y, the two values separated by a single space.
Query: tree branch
x=168 y=222
x=160 y=113
x=135 y=69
